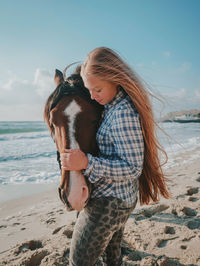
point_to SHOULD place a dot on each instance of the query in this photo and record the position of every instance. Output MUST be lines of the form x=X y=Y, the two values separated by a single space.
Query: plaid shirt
x=115 y=172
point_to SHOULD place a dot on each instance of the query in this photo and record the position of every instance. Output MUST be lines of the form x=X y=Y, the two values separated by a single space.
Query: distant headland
x=189 y=116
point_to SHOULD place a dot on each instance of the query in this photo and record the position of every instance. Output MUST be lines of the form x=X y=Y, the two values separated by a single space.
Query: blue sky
x=160 y=39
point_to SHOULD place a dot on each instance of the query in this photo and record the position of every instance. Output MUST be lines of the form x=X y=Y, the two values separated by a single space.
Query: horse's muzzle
x=63 y=194
x=63 y=198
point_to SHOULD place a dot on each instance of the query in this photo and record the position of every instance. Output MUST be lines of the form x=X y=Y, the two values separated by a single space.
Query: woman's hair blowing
x=107 y=65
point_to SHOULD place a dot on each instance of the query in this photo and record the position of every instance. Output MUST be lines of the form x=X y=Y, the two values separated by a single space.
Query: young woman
x=128 y=159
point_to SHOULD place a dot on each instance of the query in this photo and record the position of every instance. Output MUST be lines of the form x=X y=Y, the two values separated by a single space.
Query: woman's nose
x=92 y=95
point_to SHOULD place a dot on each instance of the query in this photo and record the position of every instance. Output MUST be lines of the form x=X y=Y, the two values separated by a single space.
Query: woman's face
x=101 y=91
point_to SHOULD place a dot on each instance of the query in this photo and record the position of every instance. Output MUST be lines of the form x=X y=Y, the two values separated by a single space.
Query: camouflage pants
x=99 y=228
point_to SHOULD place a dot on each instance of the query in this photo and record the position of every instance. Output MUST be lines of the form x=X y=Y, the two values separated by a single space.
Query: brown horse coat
x=73 y=119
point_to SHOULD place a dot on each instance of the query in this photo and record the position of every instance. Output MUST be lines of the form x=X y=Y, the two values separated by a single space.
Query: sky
x=159 y=39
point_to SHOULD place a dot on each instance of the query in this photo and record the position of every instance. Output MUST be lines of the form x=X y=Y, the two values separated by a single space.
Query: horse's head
x=73 y=119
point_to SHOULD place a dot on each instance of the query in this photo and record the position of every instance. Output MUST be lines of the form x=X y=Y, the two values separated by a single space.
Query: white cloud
x=197 y=94
x=21 y=112
x=186 y=66
x=21 y=99
x=43 y=81
x=182 y=99
x=139 y=65
x=167 y=53
x=181 y=93
x=8 y=86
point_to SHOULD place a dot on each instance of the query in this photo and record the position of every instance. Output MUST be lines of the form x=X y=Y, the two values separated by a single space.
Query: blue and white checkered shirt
x=115 y=172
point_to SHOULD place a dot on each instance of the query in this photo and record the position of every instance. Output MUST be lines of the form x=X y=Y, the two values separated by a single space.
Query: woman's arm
x=126 y=135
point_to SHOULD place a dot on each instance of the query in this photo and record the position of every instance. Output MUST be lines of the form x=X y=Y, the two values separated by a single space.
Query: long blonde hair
x=107 y=65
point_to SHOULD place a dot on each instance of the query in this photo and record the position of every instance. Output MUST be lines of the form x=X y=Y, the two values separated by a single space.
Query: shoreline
x=37 y=228
x=10 y=192
x=18 y=190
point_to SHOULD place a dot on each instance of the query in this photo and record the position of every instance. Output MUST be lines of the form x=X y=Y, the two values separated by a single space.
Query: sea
x=28 y=154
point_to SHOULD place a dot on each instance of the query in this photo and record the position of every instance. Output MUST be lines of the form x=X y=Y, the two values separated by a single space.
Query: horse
x=73 y=119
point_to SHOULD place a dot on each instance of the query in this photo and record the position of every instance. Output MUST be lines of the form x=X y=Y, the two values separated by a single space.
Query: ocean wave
x=182 y=157
x=21 y=137
x=4 y=131
x=21 y=127
x=187 y=145
x=27 y=156
x=37 y=178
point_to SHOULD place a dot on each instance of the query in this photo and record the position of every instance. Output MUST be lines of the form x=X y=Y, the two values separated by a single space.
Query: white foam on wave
x=187 y=145
x=183 y=157
x=41 y=177
x=182 y=137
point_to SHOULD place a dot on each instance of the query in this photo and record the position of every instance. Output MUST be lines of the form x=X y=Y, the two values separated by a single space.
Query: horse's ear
x=59 y=75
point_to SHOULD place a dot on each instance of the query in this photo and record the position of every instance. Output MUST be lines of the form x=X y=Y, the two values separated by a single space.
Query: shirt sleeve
x=126 y=136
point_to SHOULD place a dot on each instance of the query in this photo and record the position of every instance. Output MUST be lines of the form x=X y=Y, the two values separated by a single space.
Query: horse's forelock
x=72 y=86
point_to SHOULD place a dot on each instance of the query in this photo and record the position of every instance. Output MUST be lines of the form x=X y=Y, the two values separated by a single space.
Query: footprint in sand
x=29 y=245
x=189 y=212
x=174 y=212
x=50 y=213
x=148 y=260
x=135 y=256
x=155 y=209
x=3 y=226
x=169 y=230
x=186 y=239
x=50 y=221
x=192 y=190
x=193 y=199
x=198 y=179
x=60 y=211
x=161 y=243
x=194 y=224
x=68 y=233
x=183 y=247
x=57 y=230
x=10 y=218
x=165 y=261
x=16 y=224
x=35 y=258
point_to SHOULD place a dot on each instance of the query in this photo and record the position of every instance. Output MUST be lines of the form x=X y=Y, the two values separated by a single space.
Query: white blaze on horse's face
x=71 y=112
x=78 y=191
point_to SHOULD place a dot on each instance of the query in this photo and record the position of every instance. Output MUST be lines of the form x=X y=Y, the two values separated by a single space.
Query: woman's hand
x=73 y=160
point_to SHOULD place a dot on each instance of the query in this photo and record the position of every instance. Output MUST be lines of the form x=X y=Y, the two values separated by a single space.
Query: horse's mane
x=73 y=85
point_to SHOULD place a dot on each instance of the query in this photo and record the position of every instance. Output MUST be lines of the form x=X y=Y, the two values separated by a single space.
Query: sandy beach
x=37 y=230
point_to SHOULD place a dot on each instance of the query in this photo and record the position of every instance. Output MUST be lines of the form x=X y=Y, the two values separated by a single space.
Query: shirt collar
x=118 y=97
